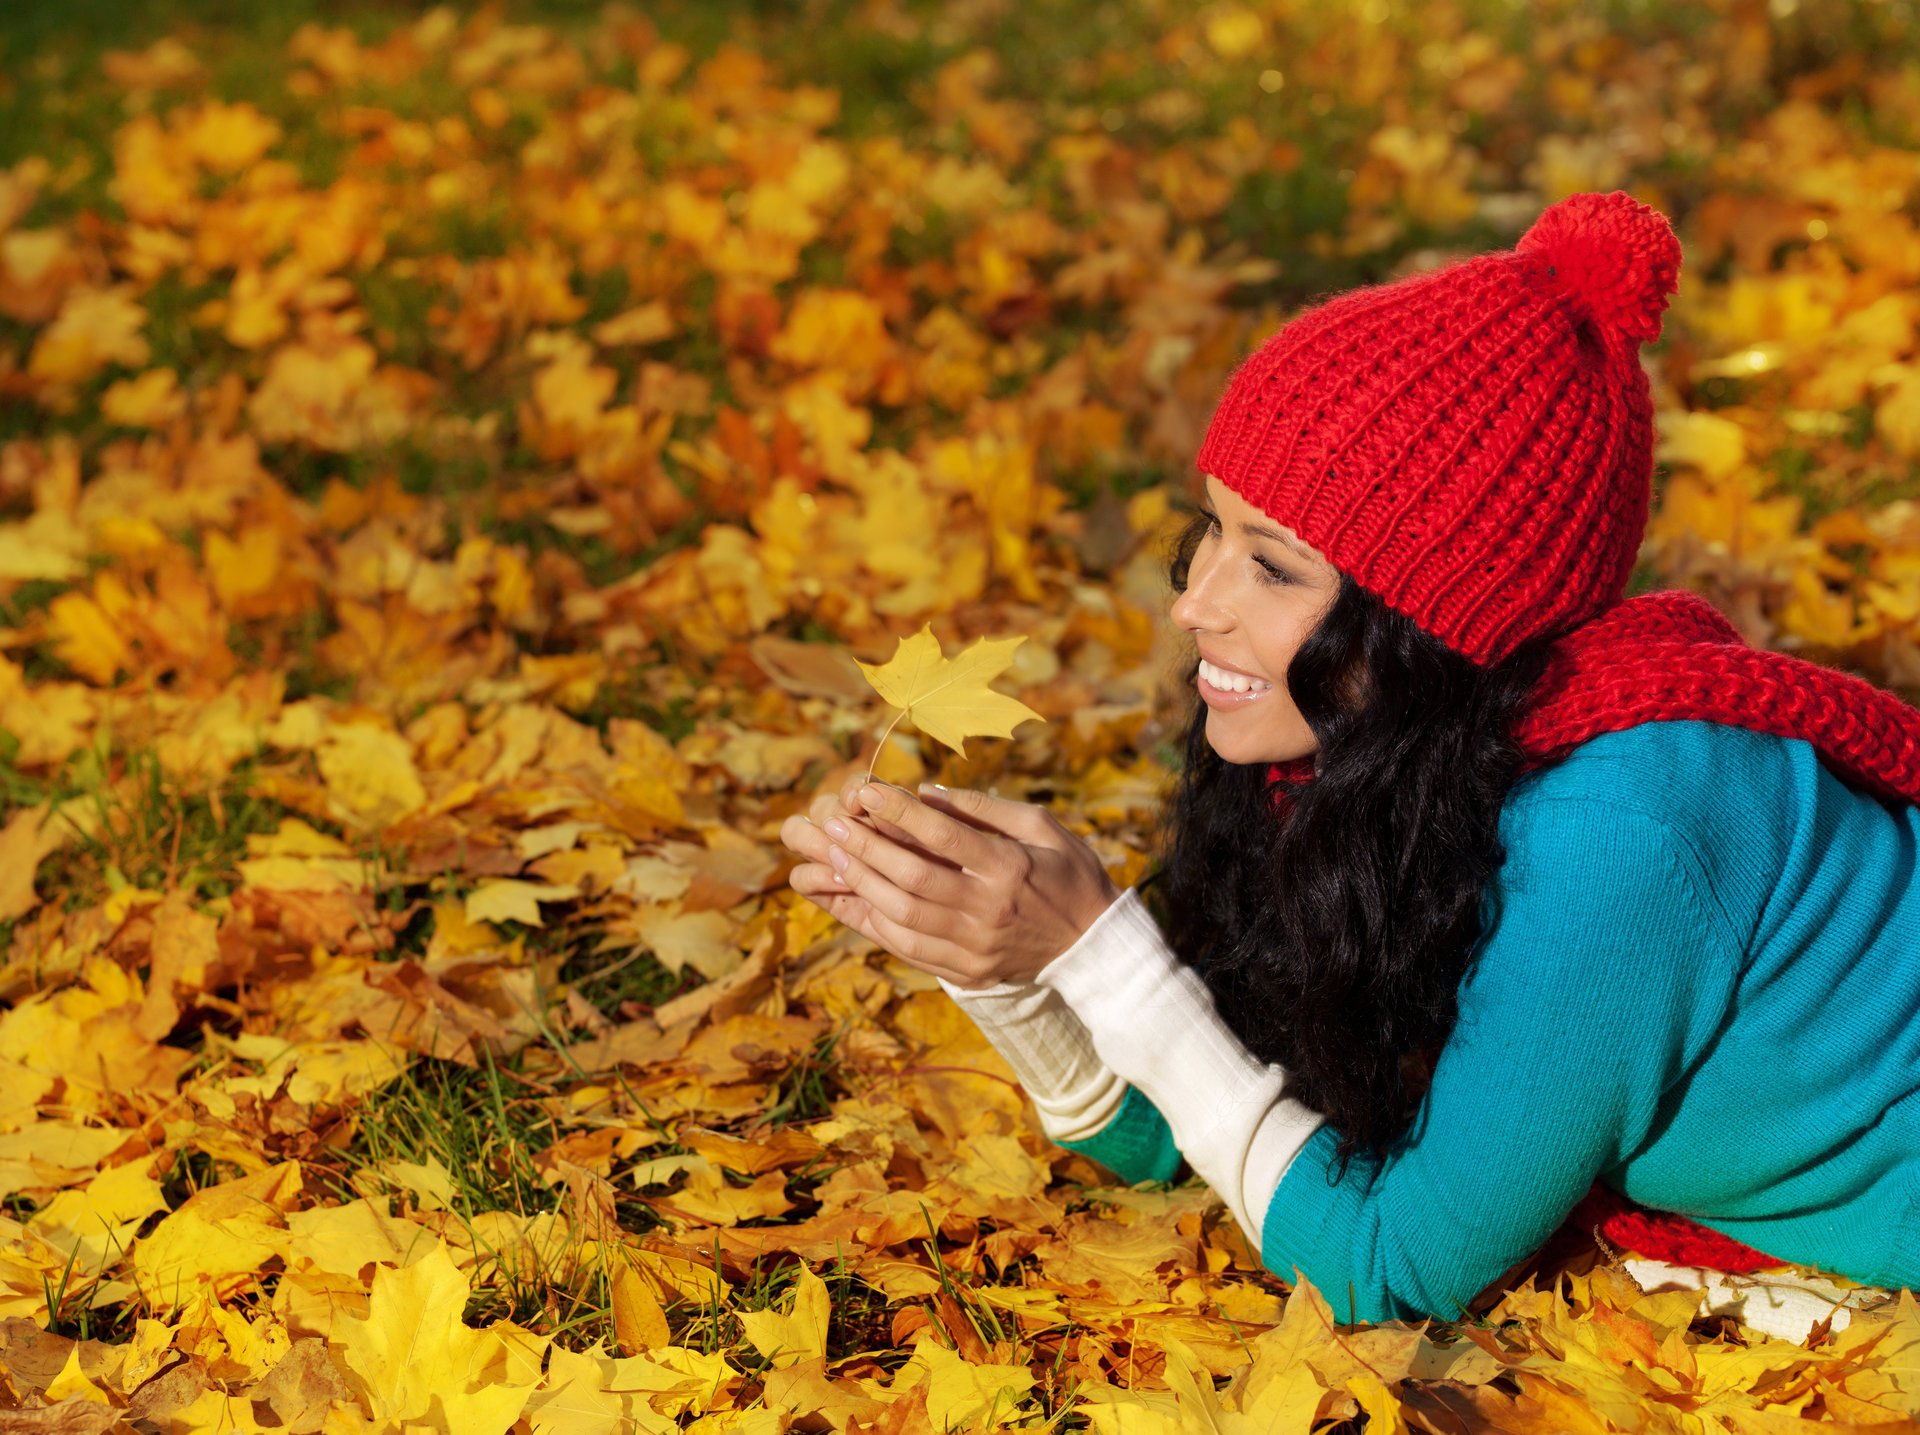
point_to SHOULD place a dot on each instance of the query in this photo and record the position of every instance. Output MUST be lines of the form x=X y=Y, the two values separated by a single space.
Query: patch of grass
x=1859 y=424
x=292 y=646
x=861 y=1321
x=807 y=1090
x=473 y=231
x=611 y=982
x=150 y=833
x=1084 y=485
x=625 y=695
x=766 y=1287
x=397 y=307
x=931 y=237
x=190 y=1171
x=1821 y=492
x=600 y=563
x=71 y=1311
x=177 y=343
x=607 y=291
x=28 y=598
x=484 y=1123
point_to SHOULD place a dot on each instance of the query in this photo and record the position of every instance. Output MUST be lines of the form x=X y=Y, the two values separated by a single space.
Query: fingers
x=817 y=883
x=809 y=838
x=852 y=810
x=1022 y=821
x=916 y=948
x=926 y=896
x=940 y=833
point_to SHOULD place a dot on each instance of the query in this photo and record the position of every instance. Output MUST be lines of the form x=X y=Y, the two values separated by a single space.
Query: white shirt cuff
x=1153 y=1022
x=1051 y=1053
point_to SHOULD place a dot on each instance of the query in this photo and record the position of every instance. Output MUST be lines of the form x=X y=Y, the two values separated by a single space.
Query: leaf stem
x=882 y=743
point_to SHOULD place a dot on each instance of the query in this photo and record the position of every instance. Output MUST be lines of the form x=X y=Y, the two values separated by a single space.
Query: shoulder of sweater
x=1679 y=771
x=1728 y=800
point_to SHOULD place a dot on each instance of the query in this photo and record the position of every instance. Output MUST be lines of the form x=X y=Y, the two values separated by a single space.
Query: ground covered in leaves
x=448 y=471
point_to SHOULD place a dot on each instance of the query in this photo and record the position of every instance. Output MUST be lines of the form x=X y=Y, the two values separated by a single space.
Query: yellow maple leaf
x=801 y=1333
x=647 y=324
x=961 y=1391
x=639 y=1322
x=145 y=401
x=95 y=328
x=1897 y=417
x=370 y=773
x=227 y=138
x=508 y=899
x=30 y=834
x=948 y=698
x=413 y=1353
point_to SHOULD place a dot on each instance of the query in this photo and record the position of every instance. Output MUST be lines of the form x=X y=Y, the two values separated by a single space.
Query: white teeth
x=1231 y=682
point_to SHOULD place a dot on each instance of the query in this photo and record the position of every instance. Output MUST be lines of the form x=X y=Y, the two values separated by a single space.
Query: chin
x=1246 y=749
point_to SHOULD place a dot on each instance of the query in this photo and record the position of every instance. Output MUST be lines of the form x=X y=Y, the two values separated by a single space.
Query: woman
x=1481 y=883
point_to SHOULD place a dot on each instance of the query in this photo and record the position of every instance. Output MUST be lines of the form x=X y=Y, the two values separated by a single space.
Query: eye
x=1271 y=574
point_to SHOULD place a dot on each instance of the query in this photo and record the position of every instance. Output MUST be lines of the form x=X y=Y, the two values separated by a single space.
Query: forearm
x=1051 y=1053
x=1152 y=1021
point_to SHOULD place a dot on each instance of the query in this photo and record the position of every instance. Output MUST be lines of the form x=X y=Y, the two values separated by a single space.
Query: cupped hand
x=971 y=887
x=815 y=878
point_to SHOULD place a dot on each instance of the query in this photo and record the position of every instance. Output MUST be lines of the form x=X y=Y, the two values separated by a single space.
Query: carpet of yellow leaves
x=449 y=484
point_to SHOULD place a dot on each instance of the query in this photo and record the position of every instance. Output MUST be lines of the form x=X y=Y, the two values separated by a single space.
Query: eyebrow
x=1258 y=530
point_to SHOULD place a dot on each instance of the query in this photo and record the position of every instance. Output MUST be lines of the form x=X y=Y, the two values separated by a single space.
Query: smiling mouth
x=1224 y=682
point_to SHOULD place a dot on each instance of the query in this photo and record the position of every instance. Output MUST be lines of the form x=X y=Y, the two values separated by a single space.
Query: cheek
x=1281 y=641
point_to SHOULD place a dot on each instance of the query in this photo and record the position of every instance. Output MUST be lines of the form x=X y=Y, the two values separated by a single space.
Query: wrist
x=1098 y=905
x=1094 y=919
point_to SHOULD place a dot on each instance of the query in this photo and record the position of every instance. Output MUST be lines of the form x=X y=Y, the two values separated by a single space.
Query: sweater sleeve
x=1606 y=972
x=1083 y=1104
x=1152 y=1020
x=1038 y=1035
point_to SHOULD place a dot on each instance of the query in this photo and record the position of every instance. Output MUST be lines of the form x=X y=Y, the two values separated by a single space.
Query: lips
x=1209 y=659
x=1223 y=699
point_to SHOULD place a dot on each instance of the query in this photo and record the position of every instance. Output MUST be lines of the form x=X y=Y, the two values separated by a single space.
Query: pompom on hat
x=1473 y=444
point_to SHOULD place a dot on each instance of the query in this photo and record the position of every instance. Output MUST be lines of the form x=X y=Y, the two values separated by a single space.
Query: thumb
x=1022 y=821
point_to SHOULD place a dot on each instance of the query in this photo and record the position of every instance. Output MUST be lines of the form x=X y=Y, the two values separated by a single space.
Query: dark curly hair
x=1334 y=939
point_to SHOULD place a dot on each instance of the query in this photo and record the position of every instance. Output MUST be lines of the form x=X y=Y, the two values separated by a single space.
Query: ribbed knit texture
x=1074 y=1093
x=1473 y=444
x=1672 y=654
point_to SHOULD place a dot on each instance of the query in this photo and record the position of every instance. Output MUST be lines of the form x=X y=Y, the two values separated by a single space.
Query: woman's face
x=1254 y=593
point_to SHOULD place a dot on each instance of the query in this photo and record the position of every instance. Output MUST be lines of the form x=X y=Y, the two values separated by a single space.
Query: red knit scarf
x=1672 y=655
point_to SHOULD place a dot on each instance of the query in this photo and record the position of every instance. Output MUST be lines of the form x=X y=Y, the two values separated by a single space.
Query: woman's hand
x=815 y=879
x=974 y=888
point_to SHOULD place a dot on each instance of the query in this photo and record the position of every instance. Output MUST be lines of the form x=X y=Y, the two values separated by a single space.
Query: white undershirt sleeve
x=1050 y=1051
x=1152 y=1022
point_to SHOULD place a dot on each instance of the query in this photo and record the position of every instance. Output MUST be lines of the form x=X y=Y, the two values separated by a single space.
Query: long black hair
x=1333 y=934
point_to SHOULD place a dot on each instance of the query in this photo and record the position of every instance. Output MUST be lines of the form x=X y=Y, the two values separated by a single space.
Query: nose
x=1197 y=609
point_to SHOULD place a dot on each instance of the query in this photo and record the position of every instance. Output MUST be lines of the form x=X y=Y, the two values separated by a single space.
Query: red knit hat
x=1473 y=444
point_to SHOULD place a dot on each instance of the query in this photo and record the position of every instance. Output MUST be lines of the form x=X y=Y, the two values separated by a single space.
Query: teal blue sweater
x=1698 y=981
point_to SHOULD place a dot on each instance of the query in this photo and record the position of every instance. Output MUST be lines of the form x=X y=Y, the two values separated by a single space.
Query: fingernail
x=839 y=879
x=836 y=829
x=838 y=858
x=939 y=787
x=869 y=796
